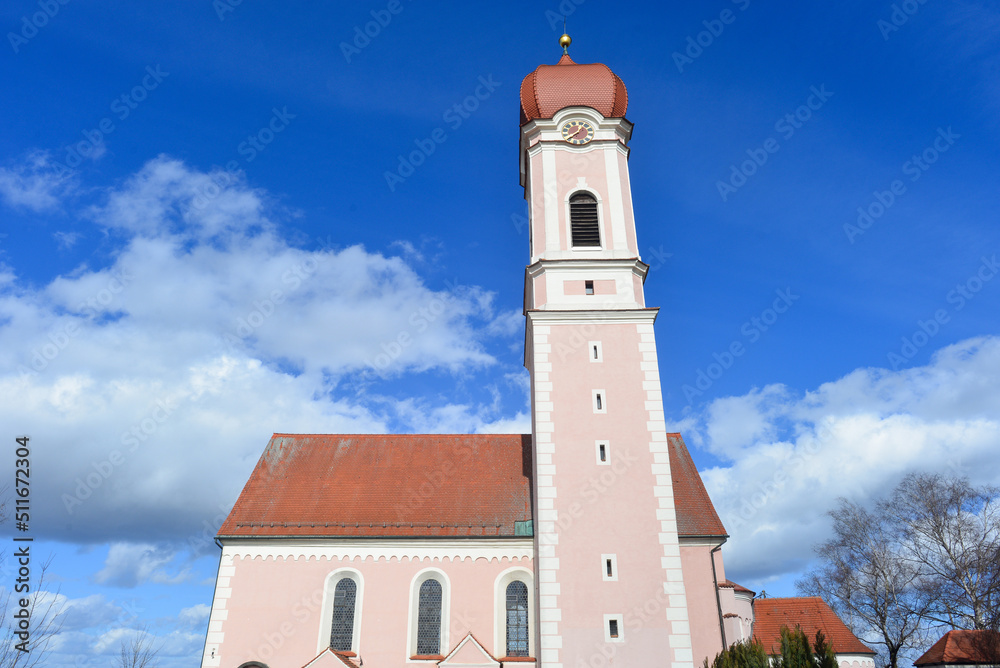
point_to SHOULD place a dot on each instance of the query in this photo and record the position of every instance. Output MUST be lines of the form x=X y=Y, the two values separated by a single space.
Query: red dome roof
x=553 y=87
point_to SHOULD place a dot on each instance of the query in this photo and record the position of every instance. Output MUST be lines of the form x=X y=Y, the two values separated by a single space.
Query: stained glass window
x=429 y=618
x=342 y=634
x=517 y=619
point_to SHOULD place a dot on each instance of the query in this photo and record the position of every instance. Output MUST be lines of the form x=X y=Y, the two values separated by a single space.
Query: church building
x=590 y=541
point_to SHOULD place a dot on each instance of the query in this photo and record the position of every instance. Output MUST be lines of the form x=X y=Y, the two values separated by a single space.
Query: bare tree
x=862 y=577
x=138 y=651
x=44 y=616
x=951 y=534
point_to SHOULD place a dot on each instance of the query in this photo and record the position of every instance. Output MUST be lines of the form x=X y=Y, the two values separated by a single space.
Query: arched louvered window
x=584 y=227
x=517 y=619
x=342 y=632
x=429 y=618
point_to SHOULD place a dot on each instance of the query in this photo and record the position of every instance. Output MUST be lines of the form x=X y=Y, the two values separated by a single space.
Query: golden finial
x=564 y=42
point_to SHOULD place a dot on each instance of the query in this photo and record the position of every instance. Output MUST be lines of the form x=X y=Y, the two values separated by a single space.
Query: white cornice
x=610 y=317
x=415 y=549
x=556 y=143
x=635 y=265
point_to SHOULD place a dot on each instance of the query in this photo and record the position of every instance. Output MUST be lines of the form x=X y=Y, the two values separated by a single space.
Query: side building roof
x=809 y=612
x=416 y=485
x=696 y=514
x=963 y=648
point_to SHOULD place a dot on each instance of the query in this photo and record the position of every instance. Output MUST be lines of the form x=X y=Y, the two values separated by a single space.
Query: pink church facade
x=589 y=542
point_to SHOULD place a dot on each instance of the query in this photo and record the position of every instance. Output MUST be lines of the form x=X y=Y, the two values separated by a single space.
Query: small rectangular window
x=613 y=628
x=588 y=287
x=603 y=452
x=595 y=351
x=600 y=402
x=609 y=569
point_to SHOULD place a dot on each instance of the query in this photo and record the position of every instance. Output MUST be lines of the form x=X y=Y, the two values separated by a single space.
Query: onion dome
x=553 y=87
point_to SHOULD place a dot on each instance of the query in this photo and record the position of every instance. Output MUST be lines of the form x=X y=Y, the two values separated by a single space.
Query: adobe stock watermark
x=914 y=168
x=454 y=116
x=557 y=17
x=696 y=44
x=131 y=440
x=565 y=177
x=381 y=18
x=959 y=297
x=786 y=126
x=249 y=148
x=197 y=543
x=792 y=467
x=265 y=307
x=753 y=329
x=92 y=144
x=30 y=25
x=60 y=338
x=900 y=15
x=435 y=481
x=419 y=321
x=592 y=490
x=223 y=7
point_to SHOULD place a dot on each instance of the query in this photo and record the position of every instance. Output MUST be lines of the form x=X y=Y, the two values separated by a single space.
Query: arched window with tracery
x=429 y=618
x=342 y=628
x=585 y=228
x=517 y=619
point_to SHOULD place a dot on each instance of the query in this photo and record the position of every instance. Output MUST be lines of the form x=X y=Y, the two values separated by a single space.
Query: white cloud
x=793 y=456
x=90 y=611
x=133 y=564
x=66 y=240
x=195 y=616
x=35 y=183
x=154 y=382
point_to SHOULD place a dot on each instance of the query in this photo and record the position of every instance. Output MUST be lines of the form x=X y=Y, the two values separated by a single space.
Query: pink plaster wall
x=275 y=608
x=579 y=287
x=569 y=167
x=703 y=608
x=630 y=233
x=537 y=206
x=605 y=509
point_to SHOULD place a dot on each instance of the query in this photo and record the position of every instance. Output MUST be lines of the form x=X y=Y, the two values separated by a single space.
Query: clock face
x=578 y=132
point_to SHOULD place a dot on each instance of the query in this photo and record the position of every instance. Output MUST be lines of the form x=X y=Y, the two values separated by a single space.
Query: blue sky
x=199 y=247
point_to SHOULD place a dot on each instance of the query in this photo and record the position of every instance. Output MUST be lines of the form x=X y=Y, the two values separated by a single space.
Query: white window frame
x=326 y=614
x=607 y=452
x=411 y=624
x=576 y=190
x=591 y=346
x=614 y=572
x=607 y=628
x=500 y=608
x=604 y=401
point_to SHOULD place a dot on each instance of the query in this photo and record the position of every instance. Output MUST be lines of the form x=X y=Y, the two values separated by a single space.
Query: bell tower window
x=584 y=226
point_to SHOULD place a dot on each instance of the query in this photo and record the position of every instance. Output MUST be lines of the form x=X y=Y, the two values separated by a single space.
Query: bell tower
x=607 y=557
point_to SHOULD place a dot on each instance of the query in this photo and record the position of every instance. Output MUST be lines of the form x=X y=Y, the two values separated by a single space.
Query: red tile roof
x=566 y=84
x=379 y=485
x=416 y=485
x=809 y=612
x=963 y=647
x=728 y=584
x=696 y=515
